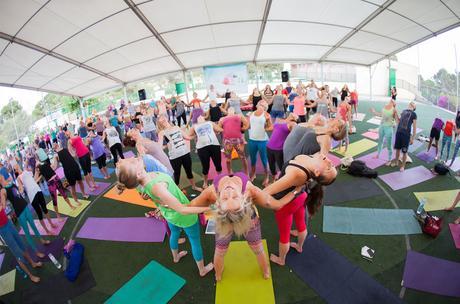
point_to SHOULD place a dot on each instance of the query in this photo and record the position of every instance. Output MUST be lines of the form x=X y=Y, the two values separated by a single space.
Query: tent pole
x=186 y=85
x=370 y=83
x=257 y=75
x=83 y=114
x=125 y=96
x=456 y=72
x=322 y=75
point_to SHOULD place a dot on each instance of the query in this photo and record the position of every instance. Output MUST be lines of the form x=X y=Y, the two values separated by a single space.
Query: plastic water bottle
x=421 y=206
x=55 y=261
x=21 y=272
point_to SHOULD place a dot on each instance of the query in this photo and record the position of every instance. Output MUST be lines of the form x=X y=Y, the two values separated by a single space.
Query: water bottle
x=55 y=262
x=421 y=206
x=21 y=272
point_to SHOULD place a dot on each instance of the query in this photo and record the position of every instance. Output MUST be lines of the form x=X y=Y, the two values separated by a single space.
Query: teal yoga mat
x=366 y=221
x=153 y=284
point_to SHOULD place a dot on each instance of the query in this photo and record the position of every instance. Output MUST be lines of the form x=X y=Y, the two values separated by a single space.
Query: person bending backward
x=259 y=123
x=389 y=117
x=404 y=138
x=84 y=158
x=233 y=125
x=178 y=150
x=233 y=198
x=13 y=241
x=173 y=204
x=310 y=171
x=207 y=145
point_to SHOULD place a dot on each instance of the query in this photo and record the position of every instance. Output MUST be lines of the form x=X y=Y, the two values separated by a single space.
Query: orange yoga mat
x=130 y=196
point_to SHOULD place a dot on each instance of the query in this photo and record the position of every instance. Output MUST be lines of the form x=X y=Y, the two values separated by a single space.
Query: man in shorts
x=404 y=138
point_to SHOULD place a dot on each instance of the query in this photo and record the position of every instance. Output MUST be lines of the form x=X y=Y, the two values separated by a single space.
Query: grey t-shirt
x=235 y=104
x=278 y=103
x=300 y=140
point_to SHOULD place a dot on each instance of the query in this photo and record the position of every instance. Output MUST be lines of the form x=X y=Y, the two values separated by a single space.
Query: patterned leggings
x=55 y=185
x=253 y=237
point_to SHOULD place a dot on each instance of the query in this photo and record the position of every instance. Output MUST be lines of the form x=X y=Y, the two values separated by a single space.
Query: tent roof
x=88 y=46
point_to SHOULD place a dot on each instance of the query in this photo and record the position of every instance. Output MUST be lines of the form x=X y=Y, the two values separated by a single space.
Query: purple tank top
x=196 y=112
x=438 y=124
x=97 y=147
x=278 y=137
x=241 y=175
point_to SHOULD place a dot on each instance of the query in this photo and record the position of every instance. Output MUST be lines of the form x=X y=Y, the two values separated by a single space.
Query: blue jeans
x=13 y=240
x=193 y=234
x=26 y=218
x=446 y=140
x=258 y=146
x=385 y=132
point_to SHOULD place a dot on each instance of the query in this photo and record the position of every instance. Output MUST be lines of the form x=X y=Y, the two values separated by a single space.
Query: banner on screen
x=233 y=77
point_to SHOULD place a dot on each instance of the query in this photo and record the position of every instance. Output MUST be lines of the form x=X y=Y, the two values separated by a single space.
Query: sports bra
x=281 y=194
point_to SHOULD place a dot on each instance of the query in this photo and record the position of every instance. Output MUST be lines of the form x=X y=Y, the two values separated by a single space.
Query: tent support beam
x=370 y=83
x=262 y=28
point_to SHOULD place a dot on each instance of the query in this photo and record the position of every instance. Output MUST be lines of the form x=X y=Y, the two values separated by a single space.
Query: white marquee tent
x=81 y=47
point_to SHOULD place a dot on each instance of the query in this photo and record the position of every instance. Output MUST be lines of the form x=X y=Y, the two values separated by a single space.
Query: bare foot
x=294 y=233
x=252 y=178
x=37 y=265
x=180 y=255
x=206 y=269
x=61 y=219
x=40 y=255
x=34 y=279
x=388 y=163
x=53 y=225
x=401 y=169
x=45 y=242
x=106 y=177
x=267 y=274
x=457 y=221
x=181 y=240
x=205 y=186
x=266 y=182
x=218 y=278
x=275 y=259
x=73 y=207
x=196 y=188
x=449 y=208
x=296 y=247
x=375 y=157
x=86 y=196
x=77 y=202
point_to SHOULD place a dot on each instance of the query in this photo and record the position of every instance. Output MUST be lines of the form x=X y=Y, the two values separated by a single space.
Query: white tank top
x=112 y=136
x=257 y=130
x=177 y=146
x=205 y=135
x=149 y=123
x=30 y=185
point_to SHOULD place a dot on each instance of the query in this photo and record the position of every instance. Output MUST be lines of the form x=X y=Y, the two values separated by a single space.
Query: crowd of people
x=302 y=120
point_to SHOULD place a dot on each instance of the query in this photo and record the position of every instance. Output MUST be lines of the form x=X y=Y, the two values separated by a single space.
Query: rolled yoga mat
x=357 y=147
x=334 y=278
x=437 y=200
x=242 y=279
x=429 y=274
x=350 y=190
x=368 y=221
x=57 y=289
x=123 y=229
x=153 y=284
x=400 y=180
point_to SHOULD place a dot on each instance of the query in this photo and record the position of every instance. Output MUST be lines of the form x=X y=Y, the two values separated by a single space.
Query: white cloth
x=205 y=135
x=30 y=185
x=257 y=130
x=148 y=123
x=312 y=93
x=177 y=146
x=112 y=136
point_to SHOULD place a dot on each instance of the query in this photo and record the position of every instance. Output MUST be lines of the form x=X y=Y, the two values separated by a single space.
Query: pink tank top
x=343 y=111
x=79 y=146
x=299 y=105
x=232 y=127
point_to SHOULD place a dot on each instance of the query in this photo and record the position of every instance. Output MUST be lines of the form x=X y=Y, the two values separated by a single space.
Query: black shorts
x=55 y=140
x=73 y=176
x=101 y=161
x=402 y=141
x=85 y=163
x=435 y=133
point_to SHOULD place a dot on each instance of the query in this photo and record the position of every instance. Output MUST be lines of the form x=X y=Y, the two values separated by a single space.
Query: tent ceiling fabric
x=88 y=46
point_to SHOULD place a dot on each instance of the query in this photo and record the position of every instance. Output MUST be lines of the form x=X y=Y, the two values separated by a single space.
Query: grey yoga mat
x=350 y=190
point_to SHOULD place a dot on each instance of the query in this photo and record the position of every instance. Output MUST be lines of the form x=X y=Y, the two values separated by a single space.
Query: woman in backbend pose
x=389 y=118
x=173 y=204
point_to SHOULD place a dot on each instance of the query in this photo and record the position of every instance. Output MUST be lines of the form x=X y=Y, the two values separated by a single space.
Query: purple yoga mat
x=417 y=144
x=53 y=231
x=430 y=274
x=400 y=180
x=334 y=143
x=456 y=165
x=427 y=157
x=102 y=187
x=55 y=248
x=129 y=154
x=373 y=163
x=455 y=231
x=123 y=229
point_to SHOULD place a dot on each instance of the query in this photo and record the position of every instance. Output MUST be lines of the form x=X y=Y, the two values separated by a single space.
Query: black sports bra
x=281 y=194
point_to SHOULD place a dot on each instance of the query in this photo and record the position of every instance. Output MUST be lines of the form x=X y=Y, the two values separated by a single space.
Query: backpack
x=359 y=168
x=441 y=169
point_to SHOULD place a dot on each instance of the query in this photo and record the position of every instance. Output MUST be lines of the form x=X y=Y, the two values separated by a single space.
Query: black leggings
x=39 y=205
x=115 y=150
x=334 y=101
x=275 y=158
x=206 y=154
x=183 y=116
x=177 y=163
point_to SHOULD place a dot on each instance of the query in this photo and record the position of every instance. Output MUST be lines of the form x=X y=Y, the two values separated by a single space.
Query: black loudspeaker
x=142 y=95
x=285 y=76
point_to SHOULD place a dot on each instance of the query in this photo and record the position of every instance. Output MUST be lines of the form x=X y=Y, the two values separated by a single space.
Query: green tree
x=10 y=109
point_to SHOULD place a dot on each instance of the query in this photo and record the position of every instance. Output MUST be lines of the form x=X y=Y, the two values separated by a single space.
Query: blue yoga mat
x=97 y=173
x=366 y=221
x=334 y=278
x=153 y=284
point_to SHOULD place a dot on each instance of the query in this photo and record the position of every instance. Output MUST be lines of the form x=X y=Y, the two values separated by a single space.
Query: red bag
x=432 y=225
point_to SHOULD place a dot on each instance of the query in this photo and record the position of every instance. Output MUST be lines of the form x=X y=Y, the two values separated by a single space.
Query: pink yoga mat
x=129 y=154
x=334 y=159
x=400 y=180
x=455 y=231
x=123 y=229
x=53 y=231
x=373 y=163
x=102 y=186
x=427 y=157
x=212 y=169
x=371 y=135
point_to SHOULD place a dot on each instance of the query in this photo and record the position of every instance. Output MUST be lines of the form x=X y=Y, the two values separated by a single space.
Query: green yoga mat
x=366 y=221
x=357 y=147
x=153 y=284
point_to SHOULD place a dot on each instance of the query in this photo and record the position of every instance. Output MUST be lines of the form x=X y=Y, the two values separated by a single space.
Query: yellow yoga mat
x=242 y=280
x=7 y=282
x=357 y=147
x=130 y=196
x=437 y=200
x=64 y=208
